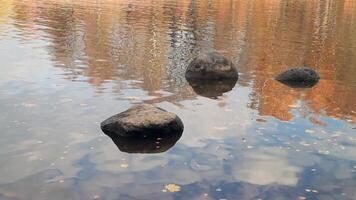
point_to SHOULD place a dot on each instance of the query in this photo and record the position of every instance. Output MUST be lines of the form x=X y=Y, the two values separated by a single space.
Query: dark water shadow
x=212 y=88
x=296 y=84
x=148 y=145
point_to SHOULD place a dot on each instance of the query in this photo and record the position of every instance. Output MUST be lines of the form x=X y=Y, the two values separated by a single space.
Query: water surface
x=67 y=65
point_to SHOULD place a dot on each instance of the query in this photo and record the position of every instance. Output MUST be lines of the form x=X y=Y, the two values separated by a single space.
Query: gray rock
x=212 y=65
x=299 y=77
x=142 y=121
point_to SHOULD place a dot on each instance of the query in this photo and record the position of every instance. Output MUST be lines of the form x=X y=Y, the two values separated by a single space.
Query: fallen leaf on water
x=220 y=127
x=172 y=187
x=324 y=152
x=304 y=143
x=132 y=98
x=309 y=131
x=29 y=105
x=293 y=106
x=336 y=134
x=124 y=165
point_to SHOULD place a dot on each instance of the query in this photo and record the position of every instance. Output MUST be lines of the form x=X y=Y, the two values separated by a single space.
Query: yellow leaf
x=29 y=105
x=124 y=165
x=309 y=131
x=172 y=187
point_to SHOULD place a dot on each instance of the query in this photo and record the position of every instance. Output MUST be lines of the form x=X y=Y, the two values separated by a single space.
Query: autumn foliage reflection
x=152 y=43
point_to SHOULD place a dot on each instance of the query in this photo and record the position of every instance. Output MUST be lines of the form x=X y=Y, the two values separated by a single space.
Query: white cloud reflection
x=265 y=167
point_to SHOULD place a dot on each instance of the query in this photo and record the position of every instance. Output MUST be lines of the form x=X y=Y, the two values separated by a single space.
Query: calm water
x=67 y=65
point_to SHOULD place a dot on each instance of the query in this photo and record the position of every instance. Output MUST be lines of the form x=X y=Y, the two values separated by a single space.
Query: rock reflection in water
x=212 y=88
x=299 y=84
x=146 y=144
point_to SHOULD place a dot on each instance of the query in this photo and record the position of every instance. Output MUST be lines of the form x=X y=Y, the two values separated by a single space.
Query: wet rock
x=146 y=144
x=143 y=121
x=212 y=65
x=211 y=74
x=212 y=88
x=299 y=77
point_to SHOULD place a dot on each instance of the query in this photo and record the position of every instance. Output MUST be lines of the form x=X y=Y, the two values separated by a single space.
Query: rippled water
x=67 y=65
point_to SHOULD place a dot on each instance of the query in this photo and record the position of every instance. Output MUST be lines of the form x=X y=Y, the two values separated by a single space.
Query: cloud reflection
x=266 y=167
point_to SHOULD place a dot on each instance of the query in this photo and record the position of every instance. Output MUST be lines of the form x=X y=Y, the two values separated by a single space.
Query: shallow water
x=67 y=65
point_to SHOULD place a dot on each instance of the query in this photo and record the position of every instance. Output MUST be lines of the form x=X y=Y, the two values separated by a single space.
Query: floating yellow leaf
x=29 y=105
x=124 y=165
x=220 y=128
x=309 y=131
x=173 y=187
x=132 y=98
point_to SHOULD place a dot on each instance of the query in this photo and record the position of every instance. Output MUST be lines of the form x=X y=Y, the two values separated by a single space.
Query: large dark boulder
x=299 y=77
x=143 y=121
x=146 y=144
x=211 y=74
x=212 y=65
x=212 y=88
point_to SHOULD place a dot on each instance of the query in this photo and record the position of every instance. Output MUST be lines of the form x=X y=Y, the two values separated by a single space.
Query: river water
x=67 y=65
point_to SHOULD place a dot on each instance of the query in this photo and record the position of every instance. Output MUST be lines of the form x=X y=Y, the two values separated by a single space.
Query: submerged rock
x=212 y=88
x=147 y=144
x=299 y=77
x=212 y=65
x=143 y=121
